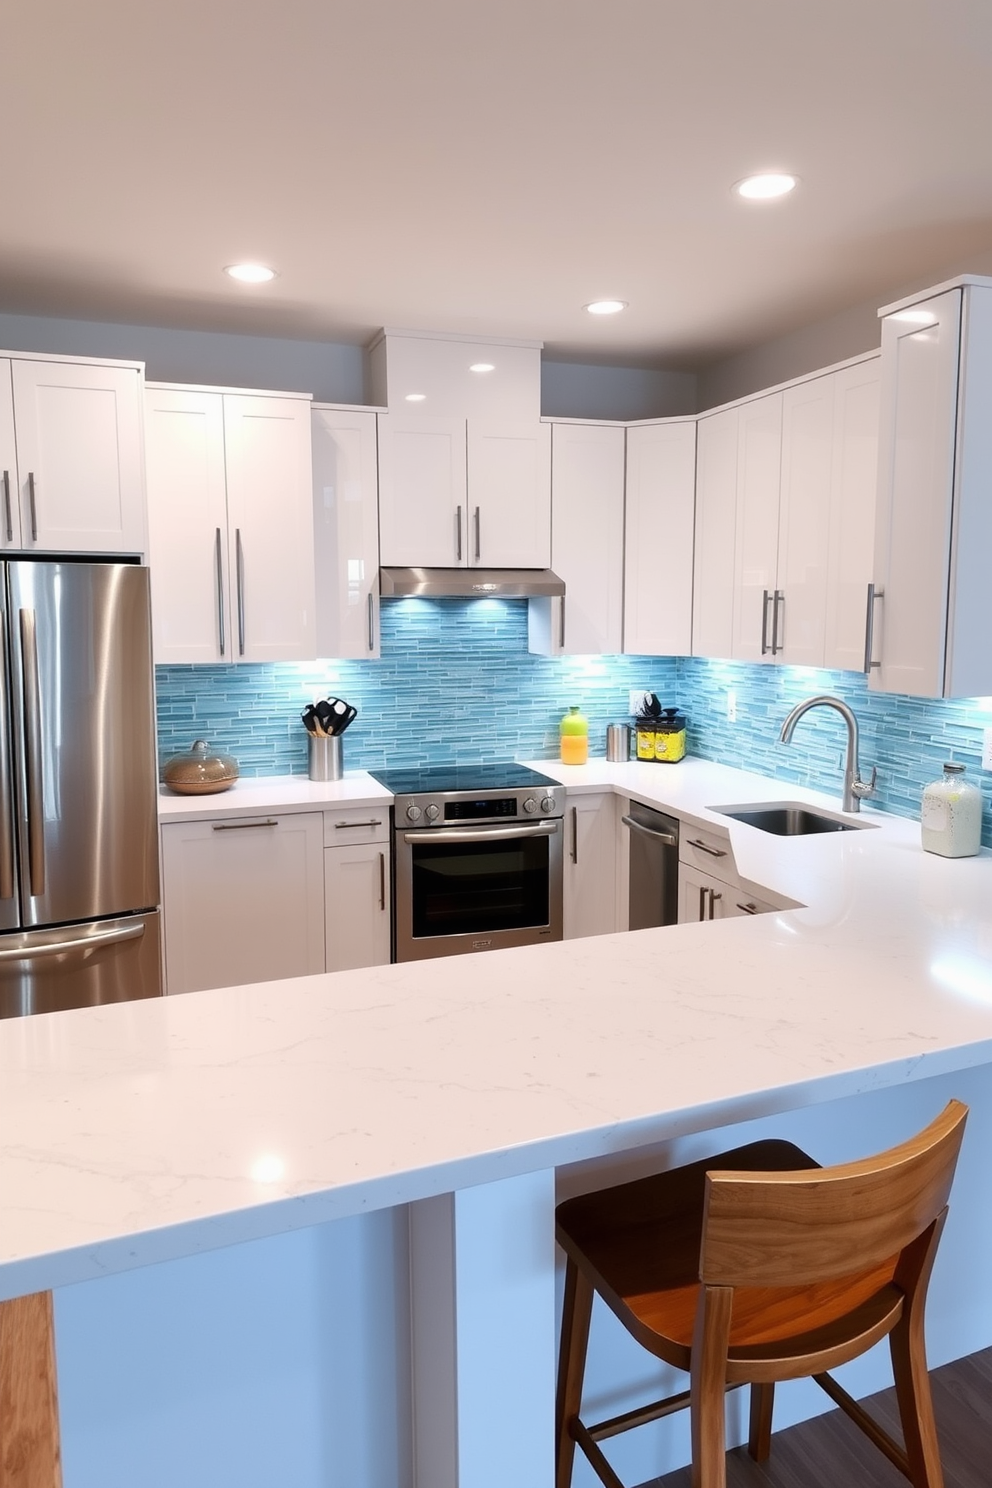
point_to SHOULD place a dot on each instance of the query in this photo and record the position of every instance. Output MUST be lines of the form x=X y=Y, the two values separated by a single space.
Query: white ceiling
x=489 y=166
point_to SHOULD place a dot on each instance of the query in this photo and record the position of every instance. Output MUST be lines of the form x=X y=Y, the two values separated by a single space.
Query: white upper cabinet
x=658 y=543
x=509 y=494
x=231 y=526
x=422 y=499
x=853 y=483
x=587 y=484
x=784 y=522
x=759 y=464
x=464 y=460
x=346 y=532
x=77 y=482
x=716 y=532
x=934 y=527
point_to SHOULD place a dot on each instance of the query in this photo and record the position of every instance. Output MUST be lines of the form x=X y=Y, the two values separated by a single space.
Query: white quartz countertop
x=250 y=796
x=143 y=1131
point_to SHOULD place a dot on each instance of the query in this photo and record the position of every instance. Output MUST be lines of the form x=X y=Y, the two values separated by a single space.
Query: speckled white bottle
x=951 y=816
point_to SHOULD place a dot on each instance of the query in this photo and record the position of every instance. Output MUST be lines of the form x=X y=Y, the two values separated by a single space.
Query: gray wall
x=845 y=334
x=577 y=390
x=333 y=372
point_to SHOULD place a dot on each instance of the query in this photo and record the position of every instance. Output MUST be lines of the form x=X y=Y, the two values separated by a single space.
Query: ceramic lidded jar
x=200 y=771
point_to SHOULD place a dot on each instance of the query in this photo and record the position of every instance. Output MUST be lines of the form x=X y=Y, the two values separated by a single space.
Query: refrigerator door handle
x=32 y=753
x=84 y=942
x=6 y=779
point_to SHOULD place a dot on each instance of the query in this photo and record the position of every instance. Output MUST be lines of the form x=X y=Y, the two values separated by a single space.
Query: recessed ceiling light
x=415 y=397
x=915 y=317
x=766 y=186
x=606 y=307
x=482 y=367
x=250 y=273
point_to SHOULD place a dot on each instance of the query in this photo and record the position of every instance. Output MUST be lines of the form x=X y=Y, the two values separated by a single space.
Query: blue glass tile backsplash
x=456 y=682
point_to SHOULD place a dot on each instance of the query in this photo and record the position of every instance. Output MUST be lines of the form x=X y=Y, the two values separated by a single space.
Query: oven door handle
x=440 y=835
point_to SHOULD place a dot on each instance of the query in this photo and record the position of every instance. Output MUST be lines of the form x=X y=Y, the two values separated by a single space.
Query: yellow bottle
x=574 y=734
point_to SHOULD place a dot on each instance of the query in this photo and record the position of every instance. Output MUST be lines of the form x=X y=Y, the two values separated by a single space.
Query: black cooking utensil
x=349 y=716
x=325 y=716
x=310 y=721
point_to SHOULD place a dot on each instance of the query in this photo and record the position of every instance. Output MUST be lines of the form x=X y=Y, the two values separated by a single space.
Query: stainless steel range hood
x=470 y=583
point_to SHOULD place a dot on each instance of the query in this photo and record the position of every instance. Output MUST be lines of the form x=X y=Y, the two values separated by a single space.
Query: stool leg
x=759 y=1441
x=708 y=1387
x=909 y=1366
x=576 y=1315
x=29 y=1418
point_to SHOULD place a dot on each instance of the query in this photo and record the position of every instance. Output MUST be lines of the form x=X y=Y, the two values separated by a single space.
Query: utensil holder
x=618 y=742
x=324 y=758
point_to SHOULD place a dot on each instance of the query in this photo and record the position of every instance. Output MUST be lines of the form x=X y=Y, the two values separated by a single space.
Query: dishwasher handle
x=667 y=837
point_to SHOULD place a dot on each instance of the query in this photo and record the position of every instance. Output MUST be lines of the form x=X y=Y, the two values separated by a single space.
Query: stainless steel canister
x=618 y=742
x=324 y=759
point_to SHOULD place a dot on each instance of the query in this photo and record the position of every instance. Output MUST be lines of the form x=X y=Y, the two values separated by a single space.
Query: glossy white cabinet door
x=590 y=902
x=423 y=518
x=759 y=462
x=658 y=562
x=270 y=519
x=243 y=900
x=10 y=516
x=80 y=456
x=716 y=529
x=187 y=526
x=509 y=494
x=356 y=897
x=586 y=544
x=346 y=532
x=804 y=521
x=854 y=479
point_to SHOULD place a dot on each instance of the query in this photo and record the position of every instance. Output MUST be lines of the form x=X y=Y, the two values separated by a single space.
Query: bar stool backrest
x=796 y=1229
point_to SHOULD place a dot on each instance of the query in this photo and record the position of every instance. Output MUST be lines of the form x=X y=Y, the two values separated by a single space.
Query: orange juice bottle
x=574 y=733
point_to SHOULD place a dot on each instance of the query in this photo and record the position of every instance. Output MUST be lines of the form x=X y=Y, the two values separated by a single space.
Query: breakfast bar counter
x=140 y=1134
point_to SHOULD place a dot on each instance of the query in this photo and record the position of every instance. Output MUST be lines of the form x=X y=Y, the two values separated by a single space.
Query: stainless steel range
x=477 y=858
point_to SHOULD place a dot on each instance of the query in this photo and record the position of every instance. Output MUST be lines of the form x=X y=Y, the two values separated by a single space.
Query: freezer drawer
x=71 y=966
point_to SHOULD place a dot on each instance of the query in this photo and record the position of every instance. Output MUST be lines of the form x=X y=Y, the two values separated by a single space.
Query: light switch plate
x=987 y=749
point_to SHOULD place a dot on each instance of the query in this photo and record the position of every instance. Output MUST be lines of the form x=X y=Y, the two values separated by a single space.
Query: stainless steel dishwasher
x=654 y=867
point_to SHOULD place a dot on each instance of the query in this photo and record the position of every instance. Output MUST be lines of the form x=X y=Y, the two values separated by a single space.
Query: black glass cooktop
x=413 y=779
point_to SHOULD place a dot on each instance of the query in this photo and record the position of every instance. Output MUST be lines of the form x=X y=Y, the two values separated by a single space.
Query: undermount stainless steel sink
x=787 y=819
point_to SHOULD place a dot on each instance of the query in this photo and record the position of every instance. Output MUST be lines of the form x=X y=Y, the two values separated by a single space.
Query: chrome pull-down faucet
x=856 y=790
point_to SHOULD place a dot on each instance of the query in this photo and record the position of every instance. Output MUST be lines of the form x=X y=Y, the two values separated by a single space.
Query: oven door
x=476 y=888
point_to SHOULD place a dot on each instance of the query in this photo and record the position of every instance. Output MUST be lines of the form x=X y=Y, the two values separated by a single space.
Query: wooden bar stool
x=29 y=1419
x=759 y=1265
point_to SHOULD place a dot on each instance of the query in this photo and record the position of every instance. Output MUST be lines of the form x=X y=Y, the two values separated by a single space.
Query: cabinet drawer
x=709 y=851
x=356 y=824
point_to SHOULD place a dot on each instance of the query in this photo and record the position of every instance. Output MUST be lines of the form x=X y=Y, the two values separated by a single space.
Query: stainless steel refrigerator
x=79 y=887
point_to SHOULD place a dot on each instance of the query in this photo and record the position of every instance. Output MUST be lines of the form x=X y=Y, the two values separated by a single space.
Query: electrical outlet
x=635 y=700
x=731 y=706
x=987 y=749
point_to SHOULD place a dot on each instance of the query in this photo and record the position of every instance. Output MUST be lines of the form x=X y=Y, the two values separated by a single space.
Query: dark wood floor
x=830 y=1452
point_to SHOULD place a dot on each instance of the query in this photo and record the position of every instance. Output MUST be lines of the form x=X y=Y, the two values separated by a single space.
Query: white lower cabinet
x=591 y=859
x=243 y=900
x=703 y=896
x=356 y=887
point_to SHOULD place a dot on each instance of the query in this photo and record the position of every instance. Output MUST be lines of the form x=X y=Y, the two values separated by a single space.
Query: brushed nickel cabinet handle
x=8 y=522
x=873 y=594
x=371 y=609
x=34 y=507
x=382 y=881
x=478 y=533
x=714 y=896
x=575 y=834
x=562 y=636
x=350 y=826
x=747 y=908
x=702 y=903
x=714 y=852
x=458 y=533
x=765 y=598
x=778 y=598
x=243 y=826
x=240 y=561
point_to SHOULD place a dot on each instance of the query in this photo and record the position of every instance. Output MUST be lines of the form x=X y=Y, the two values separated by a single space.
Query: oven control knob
x=530 y=805
x=548 y=803
x=433 y=812
x=413 y=813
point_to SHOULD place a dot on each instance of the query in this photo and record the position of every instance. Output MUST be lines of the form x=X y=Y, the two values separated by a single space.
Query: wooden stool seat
x=758 y=1265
